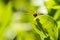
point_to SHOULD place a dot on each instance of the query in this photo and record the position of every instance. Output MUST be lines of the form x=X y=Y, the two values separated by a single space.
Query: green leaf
x=57 y=15
x=5 y=17
x=58 y=22
x=45 y=26
x=57 y=2
x=49 y=4
x=52 y=12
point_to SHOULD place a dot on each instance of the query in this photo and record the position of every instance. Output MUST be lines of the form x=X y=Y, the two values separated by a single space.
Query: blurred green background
x=16 y=17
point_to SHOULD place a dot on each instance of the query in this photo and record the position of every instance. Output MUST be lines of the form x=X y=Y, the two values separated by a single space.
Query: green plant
x=45 y=26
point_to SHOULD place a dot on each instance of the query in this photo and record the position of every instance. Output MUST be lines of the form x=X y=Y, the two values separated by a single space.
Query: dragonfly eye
x=35 y=14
